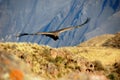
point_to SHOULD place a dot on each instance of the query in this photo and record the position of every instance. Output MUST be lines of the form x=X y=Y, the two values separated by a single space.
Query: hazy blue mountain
x=19 y=16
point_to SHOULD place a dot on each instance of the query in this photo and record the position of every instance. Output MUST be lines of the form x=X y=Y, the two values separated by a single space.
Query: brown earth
x=95 y=59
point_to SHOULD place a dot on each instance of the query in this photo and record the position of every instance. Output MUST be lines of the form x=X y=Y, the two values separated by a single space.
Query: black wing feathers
x=22 y=34
x=88 y=19
x=54 y=34
x=70 y=28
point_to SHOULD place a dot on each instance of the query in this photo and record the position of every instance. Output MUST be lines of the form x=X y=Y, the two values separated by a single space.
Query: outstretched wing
x=43 y=33
x=88 y=19
x=48 y=34
x=38 y=33
x=54 y=34
x=70 y=28
x=23 y=34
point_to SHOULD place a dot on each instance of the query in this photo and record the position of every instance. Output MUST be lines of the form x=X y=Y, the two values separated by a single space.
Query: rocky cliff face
x=48 y=15
x=97 y=58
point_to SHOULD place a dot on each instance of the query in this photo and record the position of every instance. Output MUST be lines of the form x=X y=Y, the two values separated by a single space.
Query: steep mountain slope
x=48 y=15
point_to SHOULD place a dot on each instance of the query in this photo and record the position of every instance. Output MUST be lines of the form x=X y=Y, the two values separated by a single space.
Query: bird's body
x=54 y=34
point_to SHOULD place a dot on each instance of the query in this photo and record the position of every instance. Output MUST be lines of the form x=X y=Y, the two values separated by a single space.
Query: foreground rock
x=92 y=60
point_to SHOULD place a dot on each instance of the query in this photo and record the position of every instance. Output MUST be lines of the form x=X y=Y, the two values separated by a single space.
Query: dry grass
x=54 y=63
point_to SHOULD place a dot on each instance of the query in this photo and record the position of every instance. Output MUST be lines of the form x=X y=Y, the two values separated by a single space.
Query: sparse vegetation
x=98 y=65
x=56 y=63
x=113 y=42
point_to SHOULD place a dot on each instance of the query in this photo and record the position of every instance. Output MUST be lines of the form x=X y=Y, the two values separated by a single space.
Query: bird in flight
x=54 y=34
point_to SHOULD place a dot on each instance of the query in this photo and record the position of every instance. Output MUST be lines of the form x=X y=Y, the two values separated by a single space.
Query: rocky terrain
x=95 y=59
